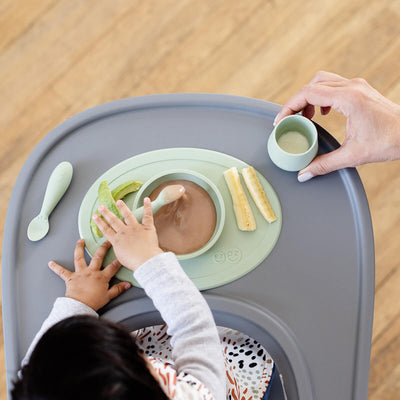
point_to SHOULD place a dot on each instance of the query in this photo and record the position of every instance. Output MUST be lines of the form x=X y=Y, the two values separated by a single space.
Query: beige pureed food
x=293 y=142
x=187 y=224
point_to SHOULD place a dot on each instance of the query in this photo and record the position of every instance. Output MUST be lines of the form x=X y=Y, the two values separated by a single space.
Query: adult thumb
x=324 y=164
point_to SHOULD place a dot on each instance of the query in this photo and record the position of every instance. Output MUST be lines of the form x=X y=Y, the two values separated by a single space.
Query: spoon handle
x=155 y=206
x=58 y=183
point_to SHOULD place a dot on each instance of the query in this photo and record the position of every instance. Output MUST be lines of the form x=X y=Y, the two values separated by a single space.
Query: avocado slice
x=108 y=198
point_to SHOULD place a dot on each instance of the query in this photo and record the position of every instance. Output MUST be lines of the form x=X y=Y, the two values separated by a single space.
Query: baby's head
x=86 y=358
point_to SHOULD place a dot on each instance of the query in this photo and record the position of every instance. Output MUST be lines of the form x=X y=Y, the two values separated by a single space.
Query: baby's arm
x=87 y=289
x=63 y=308
x=195 y=340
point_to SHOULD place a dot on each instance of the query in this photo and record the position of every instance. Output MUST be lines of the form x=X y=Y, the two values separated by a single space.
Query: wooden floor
x=60 y=57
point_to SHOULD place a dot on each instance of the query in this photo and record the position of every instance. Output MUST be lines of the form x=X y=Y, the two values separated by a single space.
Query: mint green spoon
x=167 y=195
x=58 y=183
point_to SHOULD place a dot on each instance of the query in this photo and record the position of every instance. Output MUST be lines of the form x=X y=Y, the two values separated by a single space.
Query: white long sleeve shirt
x=196 y=346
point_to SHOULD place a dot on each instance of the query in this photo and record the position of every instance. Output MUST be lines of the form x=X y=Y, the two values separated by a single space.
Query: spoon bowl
x=38 y=228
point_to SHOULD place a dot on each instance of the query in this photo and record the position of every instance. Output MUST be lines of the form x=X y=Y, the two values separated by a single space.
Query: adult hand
x=133 y=243
x=373 y=122
x=90 y=284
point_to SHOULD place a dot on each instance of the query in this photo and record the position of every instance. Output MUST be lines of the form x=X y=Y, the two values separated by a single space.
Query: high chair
x=309 y=302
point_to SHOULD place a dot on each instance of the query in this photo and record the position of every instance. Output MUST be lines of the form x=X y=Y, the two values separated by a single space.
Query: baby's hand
x=90 y=284
x=133 y=243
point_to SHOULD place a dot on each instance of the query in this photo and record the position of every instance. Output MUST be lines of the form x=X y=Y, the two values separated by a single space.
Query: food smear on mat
x=244 y=216
x=187 y=224
x=293 y=142
x=258 y=194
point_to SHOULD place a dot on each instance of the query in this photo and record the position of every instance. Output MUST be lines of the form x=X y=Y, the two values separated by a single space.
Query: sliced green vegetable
x=108 y=198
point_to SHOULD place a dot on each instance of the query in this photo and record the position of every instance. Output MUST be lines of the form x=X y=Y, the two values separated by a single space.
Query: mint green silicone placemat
x=235 y=254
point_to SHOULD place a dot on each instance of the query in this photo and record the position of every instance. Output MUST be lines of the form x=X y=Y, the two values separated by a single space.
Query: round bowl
x=200 y=180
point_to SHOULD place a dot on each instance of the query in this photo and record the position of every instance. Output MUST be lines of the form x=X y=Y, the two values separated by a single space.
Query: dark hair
x=86 y=358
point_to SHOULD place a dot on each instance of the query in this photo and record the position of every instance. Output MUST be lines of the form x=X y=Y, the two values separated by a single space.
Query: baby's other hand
x=133 y=243
x=90 y=284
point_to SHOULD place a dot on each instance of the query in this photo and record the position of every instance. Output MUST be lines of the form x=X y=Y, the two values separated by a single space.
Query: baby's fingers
x=62 y=272
x=99 y=255
x=105 y=229
x=118 y=289
x=111 y=218
x=147 y=219
x=111 y=269
x=126 y=213
x=79 y=259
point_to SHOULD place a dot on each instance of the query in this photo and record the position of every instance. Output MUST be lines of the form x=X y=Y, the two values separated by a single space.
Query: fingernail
x=127 y=285
x=101 y=208
x=305 y=176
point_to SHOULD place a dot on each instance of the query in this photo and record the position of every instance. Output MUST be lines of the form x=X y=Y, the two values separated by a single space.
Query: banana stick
x=244 y=216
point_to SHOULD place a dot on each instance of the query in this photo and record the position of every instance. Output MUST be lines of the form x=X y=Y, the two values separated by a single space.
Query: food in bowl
x=205 y=183
x=187 y=224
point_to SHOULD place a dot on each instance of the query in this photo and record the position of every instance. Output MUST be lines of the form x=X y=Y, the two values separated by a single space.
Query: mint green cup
x=295 y=155
x=202 y=181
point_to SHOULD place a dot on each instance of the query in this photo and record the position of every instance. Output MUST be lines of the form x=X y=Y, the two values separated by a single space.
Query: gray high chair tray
x=310 y=302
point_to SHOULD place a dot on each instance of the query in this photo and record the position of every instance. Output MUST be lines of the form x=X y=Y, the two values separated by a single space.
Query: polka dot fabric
x=248 y=365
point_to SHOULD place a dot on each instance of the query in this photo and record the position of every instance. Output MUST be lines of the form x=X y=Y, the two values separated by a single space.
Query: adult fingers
x=98 y=256
x=111 y=269
x=324 y=76
x=326 y=163
x=147 y=219
x=325 y=110
x=126 y=213
x=309 y=111
x=118 y=289
x=62 y=272
x=315 y=95
x=321 y=78
x=79 y=259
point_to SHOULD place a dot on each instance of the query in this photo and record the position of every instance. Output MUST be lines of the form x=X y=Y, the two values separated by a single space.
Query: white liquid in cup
x=293 y=142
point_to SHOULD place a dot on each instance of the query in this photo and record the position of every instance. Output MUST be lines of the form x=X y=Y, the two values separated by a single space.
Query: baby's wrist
x=85 y=302
x=146 y=257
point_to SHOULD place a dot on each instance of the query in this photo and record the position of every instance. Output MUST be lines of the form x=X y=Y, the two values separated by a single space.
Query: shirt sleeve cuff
x=66 y=307
x=152 y=268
